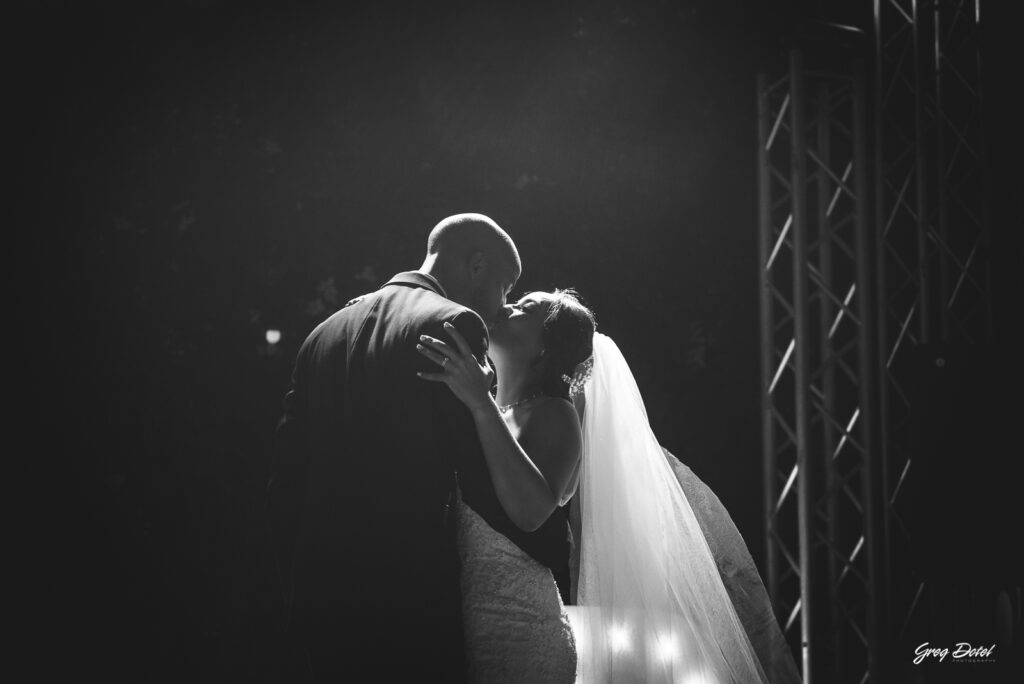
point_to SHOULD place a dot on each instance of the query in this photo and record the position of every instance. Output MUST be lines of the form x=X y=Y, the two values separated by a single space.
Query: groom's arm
x=459 y=432
x=457 y=417
x=473 y=330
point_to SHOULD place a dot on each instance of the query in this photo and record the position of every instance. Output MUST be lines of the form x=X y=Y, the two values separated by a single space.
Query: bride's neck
x=514 y=383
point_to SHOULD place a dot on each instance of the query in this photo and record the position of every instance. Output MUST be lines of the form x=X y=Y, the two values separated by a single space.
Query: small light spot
x=666 y=647
x=697 y=678
x=618 y=635
x=273 y=336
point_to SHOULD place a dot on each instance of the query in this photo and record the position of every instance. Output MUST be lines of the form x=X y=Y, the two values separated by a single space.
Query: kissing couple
x=446 y=461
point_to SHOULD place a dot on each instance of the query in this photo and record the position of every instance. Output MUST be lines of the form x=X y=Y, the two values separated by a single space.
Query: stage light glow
x=697 y=678
x=618 y=636
x=665 y=647
x=273 y=336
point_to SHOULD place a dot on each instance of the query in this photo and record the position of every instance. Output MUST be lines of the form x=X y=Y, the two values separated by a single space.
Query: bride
x=663 y=585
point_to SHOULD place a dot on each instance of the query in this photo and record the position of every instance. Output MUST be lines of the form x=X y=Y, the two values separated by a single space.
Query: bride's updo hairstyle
x=568 y=341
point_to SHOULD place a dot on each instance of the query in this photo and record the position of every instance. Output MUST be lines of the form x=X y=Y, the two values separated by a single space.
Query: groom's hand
x=469 y=379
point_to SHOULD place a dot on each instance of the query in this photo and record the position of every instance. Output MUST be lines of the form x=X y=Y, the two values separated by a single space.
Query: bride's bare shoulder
x=554 y=404
x=550 y=416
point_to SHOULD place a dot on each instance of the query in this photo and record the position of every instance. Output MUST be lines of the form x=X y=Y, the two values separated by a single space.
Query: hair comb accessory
x=579 y=378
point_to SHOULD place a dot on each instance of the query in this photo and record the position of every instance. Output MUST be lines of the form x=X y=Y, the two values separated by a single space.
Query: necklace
x=515 y=404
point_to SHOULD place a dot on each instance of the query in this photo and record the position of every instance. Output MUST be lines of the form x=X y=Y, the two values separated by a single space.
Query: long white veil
x=651 y=605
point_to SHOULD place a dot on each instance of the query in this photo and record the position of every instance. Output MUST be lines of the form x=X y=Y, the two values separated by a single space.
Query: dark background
x=189 y=174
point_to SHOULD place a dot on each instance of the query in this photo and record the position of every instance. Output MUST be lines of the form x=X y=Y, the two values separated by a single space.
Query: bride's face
x=518 y=334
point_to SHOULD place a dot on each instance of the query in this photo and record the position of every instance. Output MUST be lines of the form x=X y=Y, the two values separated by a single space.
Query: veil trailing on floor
x=651 y=602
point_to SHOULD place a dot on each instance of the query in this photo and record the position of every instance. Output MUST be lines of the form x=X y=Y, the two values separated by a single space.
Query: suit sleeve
x=466 y=451
x=472 y=329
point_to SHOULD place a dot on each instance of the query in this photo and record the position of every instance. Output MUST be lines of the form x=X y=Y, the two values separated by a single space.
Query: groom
x=366 y=463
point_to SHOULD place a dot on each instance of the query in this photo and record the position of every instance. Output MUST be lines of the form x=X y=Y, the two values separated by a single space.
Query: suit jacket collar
x=418 y=279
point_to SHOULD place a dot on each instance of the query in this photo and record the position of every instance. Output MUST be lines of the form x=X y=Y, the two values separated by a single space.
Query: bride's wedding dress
x=740 y=576
x=664 y=586
x=516 y=628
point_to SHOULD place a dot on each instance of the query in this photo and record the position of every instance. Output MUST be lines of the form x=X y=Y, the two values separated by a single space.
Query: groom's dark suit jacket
x=366 y=463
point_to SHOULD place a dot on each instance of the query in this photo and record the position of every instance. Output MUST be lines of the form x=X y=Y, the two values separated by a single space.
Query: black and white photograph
x=490 y=342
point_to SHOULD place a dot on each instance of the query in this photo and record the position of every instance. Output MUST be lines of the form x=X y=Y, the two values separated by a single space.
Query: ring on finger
x=445 y=362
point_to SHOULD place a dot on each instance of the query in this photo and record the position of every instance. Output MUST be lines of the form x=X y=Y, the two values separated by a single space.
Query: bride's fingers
x=438 y=345
x=460 y=341
x=433 y=377
x=434 y=356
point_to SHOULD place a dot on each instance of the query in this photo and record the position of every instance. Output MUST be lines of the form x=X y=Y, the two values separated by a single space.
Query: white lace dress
x=516 y=628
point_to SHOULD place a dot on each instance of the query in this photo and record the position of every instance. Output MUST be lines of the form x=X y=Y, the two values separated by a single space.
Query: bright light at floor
x=618 y=636
x=697 y=678
x=273 y=336
x=666 y=647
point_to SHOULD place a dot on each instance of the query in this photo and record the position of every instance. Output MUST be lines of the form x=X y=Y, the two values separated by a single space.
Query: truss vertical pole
x=983 y=152
x=902 y=277
x=767 y=361
x=921 y=178
x=823 y=124
x=942 y=199
x=868 y=397
x=963 y=240
x=805 y=491
x=879 y=299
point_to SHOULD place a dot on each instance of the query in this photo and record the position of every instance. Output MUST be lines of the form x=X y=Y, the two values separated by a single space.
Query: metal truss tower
x=873 y=242
x=932 y=243
x=818 y=341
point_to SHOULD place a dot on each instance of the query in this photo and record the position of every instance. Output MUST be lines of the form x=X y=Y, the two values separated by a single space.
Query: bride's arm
x=530 y=477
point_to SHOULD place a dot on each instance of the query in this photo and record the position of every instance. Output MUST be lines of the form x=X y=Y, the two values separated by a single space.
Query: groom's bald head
x=461 y=235
x=472 y=258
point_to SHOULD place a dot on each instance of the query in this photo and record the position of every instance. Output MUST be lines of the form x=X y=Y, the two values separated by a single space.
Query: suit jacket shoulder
x=423 y=303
